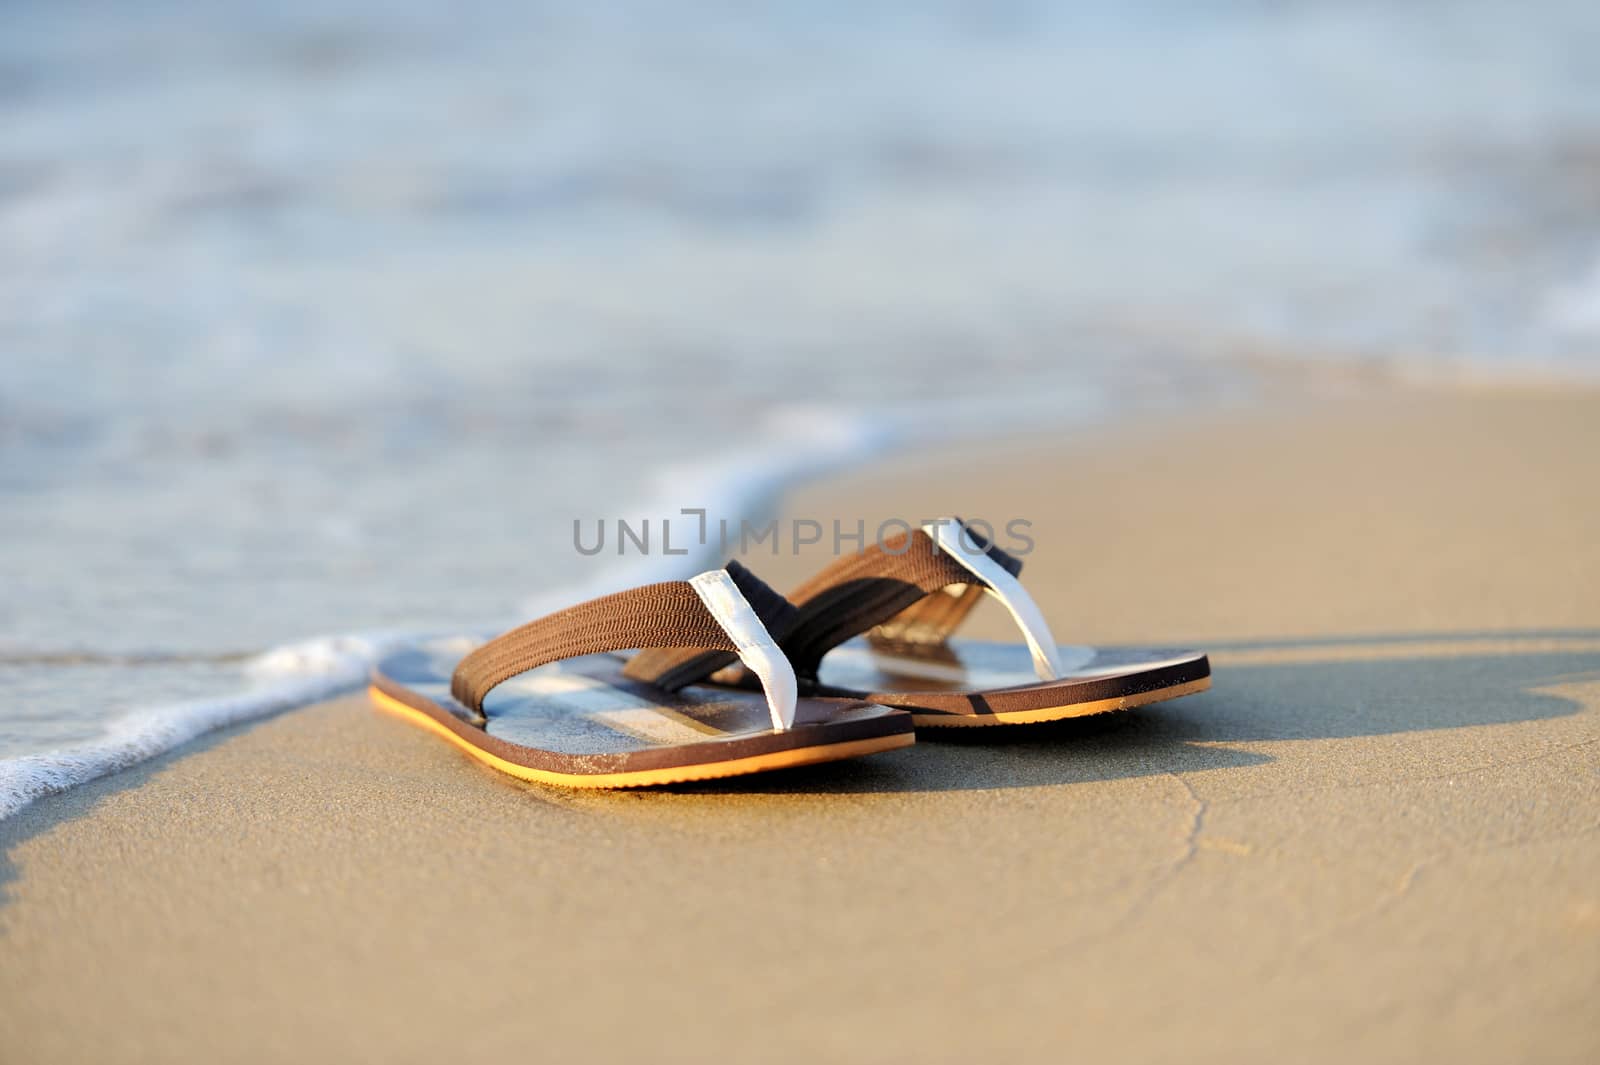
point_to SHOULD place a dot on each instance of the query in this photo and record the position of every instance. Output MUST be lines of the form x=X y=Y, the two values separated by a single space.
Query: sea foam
x=799 y=443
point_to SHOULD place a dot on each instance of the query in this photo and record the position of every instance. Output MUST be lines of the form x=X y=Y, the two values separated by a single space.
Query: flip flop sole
x=643 y=778
x=1043 y=714
x=966 y=684
x=580 y=723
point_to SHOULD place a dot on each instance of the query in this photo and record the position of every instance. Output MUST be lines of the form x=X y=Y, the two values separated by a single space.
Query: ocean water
x=320 y=325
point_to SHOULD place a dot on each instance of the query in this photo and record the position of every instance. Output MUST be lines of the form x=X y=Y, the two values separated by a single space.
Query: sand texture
x=1374 y=840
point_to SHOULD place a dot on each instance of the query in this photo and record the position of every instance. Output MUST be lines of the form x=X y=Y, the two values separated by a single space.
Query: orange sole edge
x=644 y=778
x=1059 y=713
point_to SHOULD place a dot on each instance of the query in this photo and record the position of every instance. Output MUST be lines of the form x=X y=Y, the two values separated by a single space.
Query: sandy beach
x=1374 y=840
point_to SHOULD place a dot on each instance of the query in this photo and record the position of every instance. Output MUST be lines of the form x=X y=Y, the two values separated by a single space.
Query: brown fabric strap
x=668 y=614
x=663 y=615
x=675 y=667
x=889 y=588
x=655 y=615
x=930 y=621
x=896 y=591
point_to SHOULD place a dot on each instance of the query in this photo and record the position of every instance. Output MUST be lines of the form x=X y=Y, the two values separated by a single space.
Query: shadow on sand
x=1282 y=691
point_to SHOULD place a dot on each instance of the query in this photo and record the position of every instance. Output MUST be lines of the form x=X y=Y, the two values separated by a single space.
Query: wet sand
x=1375 y=838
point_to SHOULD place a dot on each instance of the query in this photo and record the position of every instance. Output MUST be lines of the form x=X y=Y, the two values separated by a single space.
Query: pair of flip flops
x=729 y=677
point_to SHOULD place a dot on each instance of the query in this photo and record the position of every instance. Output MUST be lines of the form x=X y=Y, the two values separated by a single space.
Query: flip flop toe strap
x=909 y=591
x=710 y=611
x=1001 y=583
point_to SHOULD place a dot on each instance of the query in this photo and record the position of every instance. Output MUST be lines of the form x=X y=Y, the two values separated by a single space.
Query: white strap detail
x=756 y=647
x=946 y=532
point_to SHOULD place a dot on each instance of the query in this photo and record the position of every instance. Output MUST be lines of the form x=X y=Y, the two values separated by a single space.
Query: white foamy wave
x=800 y=443
x=286 y=677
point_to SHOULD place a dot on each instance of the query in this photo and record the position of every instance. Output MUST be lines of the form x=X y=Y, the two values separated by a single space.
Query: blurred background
x=318 y=318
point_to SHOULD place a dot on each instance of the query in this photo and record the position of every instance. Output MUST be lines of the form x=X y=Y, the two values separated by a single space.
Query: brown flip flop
x=548 y=701
x=908 y=594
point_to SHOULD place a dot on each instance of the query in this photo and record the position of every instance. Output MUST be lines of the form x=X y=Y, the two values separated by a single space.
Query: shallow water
x=315 y=322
